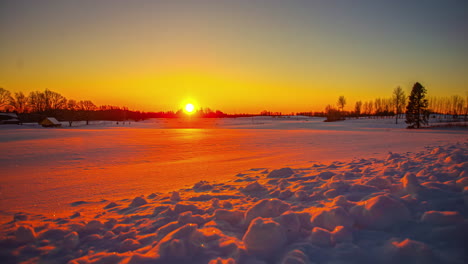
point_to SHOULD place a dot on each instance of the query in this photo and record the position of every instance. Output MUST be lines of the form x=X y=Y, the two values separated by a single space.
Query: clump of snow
x=266 y=208
x=411 y=183
x=342 y=234
x=25 y=234
x=71 y=240
x=111 y=205
x=330 y=218
x=264 y=237
x=380 y=212
x=129 y=245
x=442 y=218
x=408 y=251
x=202 y=186
x=254 y=187
x=378 y=182
x=188 y=217
x=182 y=207
x=291 y=223
x=175 y=196
x=392 y=156
x=295 y=256
x=231 y=216
x=281 y=173
x=326 y=175
x=94 y=226
x=138 y=201
x=320 y=237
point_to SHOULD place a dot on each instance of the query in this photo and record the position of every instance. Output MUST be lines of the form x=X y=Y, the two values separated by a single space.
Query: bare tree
x=341 y=102
x=54 y=100
x=5 y=97
x=457 y=105
x=37 y=101
x=378 y=106
x=72 y=105
x=86 y=107
x=399 y=101
x=466 y=106
x=357 y=108
x=19 y=102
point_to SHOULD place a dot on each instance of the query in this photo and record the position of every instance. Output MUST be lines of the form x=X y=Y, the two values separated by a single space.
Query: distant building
x=9 y=118
x=50 y=122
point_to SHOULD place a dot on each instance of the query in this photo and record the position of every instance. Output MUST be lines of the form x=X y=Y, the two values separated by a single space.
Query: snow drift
x=406 y=208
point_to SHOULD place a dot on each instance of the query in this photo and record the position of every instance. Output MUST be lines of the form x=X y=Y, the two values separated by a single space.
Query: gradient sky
x=236 y=56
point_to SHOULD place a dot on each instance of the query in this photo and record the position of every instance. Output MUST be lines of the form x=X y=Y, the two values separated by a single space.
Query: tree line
x=397 y=106
x=40 y=104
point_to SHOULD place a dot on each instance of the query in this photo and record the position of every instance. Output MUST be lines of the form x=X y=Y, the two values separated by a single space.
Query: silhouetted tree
x=5 y=97
x=398 y=101
x=466 y=106
x=416 y=110
x=341 y=102
x=357 y=108
x=54 y=100
x=378 y=106
x=332 y=114
x=71 y=112
x=457 y=105
x=19 y=102
x=86 y=107
x=36 y=101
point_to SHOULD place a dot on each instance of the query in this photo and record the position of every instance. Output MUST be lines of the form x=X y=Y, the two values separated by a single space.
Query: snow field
x=406 y=208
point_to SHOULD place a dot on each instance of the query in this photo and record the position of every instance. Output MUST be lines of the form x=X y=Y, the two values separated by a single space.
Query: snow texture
x=404 y=208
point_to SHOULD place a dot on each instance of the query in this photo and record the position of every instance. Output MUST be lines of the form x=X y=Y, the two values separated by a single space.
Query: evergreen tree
x=416 y=110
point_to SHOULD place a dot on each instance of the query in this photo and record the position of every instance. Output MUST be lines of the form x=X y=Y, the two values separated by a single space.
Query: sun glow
x=189 y=108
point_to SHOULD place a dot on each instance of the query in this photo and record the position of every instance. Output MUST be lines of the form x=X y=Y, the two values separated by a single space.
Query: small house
x=9 y=118
x=50 y=122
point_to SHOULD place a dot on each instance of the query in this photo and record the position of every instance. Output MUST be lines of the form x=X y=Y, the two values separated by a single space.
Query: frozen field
x=103 y=192
x=46 y=170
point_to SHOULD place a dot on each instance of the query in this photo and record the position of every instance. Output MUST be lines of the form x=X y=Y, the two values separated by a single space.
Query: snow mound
x=442 y=218
x=281 y=173
x=378 y=182
x=71 y=240
x=409 y=251
x=320 y=237
x=138 y=201
x=254 y=187
x=264 y=237
x=25 y=234
x=230 y=216
x=266 y=208
x=380 y=212
x=175 y=196
x=330 y=218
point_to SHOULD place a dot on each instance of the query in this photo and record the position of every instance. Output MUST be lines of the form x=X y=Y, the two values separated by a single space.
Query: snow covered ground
x=248 y=190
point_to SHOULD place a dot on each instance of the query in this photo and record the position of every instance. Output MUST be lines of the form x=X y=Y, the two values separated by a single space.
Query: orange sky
x=235 y=56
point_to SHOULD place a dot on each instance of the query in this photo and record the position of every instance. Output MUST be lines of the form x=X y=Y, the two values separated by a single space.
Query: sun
x=189 y=108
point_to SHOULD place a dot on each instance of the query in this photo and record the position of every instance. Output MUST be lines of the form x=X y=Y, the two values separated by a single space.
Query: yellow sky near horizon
x=238 y=57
